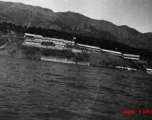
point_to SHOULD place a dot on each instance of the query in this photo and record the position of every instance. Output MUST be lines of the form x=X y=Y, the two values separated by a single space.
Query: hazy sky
x=134 y=13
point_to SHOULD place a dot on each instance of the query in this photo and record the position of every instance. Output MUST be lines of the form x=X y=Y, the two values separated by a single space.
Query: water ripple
x=34 y=90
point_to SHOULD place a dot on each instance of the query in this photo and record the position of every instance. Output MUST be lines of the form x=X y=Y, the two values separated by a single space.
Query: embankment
x=97 y=59
x=14 y=48
x=103 y=59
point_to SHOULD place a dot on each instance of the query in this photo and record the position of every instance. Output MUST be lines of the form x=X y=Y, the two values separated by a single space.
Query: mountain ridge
x=28 y=15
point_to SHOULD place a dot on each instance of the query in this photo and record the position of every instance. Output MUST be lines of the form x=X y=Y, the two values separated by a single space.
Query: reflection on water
x=34 y=90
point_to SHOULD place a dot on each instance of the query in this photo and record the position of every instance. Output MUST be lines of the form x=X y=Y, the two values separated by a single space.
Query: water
x=36 y=90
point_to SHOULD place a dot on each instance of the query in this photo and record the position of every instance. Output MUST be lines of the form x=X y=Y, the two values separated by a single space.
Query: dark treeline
x=102 y=42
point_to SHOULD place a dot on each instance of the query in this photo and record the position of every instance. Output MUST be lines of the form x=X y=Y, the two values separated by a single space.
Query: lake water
x=37 y=90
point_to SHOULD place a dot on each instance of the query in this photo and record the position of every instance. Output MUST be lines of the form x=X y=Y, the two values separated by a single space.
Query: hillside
x=28 y=15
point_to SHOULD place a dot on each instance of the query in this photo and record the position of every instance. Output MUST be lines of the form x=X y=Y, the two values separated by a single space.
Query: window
x=48 y=43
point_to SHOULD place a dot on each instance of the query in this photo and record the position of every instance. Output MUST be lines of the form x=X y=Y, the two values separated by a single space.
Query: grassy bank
x=103 y=59
x=12 y=47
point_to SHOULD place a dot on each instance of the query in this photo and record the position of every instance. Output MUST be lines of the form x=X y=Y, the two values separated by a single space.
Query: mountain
x=5 y=18
x=148 y=35
x=28 y=15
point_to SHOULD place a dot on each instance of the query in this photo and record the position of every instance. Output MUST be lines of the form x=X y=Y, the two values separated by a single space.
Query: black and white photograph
x=75 y=59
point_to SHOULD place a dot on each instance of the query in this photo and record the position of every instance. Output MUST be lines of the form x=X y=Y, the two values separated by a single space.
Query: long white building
x=131 y=56
x=88 y=47
x=35 y=39
x=29 y=35
x=112 y=52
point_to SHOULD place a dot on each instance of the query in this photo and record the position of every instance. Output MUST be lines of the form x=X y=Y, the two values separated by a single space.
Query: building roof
x=111 y=51
x=55 y=39
x=88 y=46
x=131 y=55
x=29 y=34
x=48 y=38
x=133 y=58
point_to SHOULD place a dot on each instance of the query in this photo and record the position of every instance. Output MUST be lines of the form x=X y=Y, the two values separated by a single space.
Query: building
x=55 y=40
x=46 y=42
x=28 y=35
x=112 y=52
x=88 y=47
x=149 y=69
x=76 y=50
x=131 y=56
x=40 y=38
